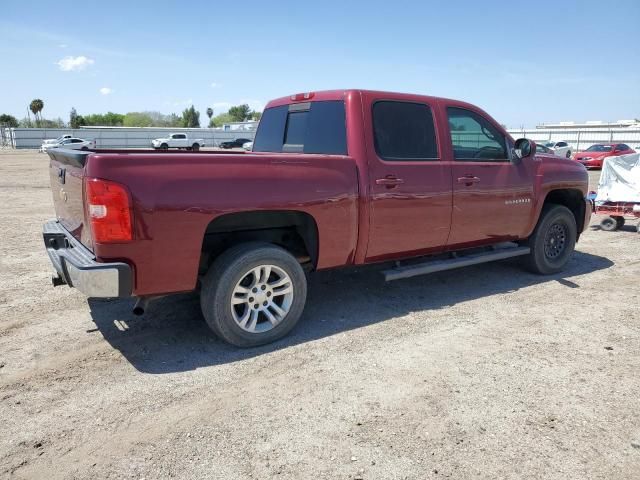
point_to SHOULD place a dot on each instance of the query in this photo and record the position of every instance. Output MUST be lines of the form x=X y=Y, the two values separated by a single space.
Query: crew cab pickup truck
x=335 y=178
x=177 y=140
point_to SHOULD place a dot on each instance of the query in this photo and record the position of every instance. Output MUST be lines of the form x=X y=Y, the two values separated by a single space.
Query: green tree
x=75 y=120
x=57 y=123
x=256 y=116
x=137 y=119
x=8 y=120
x=191 y=118
x=36 y=107
x=220 y=120
x=240 y=113
x=108 y=119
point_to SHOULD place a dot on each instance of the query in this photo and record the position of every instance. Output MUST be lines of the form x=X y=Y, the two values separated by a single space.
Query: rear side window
x=312 y=127
x=404 y=131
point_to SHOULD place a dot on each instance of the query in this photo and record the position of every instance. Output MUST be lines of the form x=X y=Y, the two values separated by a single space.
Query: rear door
x=410 y=203
x=492 y=197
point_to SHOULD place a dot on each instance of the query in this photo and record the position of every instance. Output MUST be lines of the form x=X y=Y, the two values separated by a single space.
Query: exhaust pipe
x=141 y=306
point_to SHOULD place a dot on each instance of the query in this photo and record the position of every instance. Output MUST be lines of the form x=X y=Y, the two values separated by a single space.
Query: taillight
x=108 y=211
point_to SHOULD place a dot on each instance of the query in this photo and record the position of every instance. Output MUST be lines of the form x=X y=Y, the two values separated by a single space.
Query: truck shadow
x=173 y=336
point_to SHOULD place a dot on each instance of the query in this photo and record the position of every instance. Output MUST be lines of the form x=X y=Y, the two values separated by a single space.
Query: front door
x=492 y=197
x=410 y=186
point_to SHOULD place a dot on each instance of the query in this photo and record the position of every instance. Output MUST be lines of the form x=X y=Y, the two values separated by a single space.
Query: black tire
x=85 y=148
x=227 y=271
x=195 y=147
x=568 y=154
x=164 y=146
x=552 y=241
x=619 y=221
x=609 y=224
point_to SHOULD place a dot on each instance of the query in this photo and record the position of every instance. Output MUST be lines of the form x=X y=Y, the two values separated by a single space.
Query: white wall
x=123 y=137
x=582 y=138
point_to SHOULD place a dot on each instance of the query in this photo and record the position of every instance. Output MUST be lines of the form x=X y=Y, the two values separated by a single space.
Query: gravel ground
x=487 y=372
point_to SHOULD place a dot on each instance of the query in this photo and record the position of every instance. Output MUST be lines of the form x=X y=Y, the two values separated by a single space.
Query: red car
x=594 y=156
x=335 y=179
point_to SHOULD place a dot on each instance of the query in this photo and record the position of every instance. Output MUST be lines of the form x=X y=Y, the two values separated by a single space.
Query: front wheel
x=253 y=294
x=552 y=241
x=609 y=224
x=195 y=147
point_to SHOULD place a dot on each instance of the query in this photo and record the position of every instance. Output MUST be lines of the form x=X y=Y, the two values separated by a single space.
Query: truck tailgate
x=66 y=170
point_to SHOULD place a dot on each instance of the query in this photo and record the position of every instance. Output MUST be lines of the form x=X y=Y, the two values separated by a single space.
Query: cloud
x=63 y=45
x=106 y=91
x=74 y=64
x=215 y=85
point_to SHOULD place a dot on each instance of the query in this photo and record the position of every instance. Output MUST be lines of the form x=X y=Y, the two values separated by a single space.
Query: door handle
x=468 y=180
x=390 y=181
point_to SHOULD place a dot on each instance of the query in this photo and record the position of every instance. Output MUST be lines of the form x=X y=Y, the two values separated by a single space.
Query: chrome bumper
x=76 y=266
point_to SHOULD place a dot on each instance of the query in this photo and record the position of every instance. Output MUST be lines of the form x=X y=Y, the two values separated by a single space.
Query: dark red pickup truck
x=336 y=178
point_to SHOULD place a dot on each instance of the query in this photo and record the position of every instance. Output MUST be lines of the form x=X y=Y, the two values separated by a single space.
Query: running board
x=451 y=263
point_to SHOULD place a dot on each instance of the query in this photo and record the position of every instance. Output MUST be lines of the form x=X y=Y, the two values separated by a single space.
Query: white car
x=71 y=143
x=247 y=146
x=561 y=149
x=57 y=140
x=177 y=140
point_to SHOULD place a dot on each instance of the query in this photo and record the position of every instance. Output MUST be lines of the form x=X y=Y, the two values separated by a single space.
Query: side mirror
x=524 y=148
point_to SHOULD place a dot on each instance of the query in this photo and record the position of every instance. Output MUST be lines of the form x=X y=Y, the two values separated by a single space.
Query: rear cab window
x=310 y=127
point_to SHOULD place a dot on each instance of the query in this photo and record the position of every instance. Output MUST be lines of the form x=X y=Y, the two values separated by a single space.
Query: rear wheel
x=608 y=224
x=253 y=294
x=552 y=241
x=195 y=147
x=568 y=153
x=619 y=221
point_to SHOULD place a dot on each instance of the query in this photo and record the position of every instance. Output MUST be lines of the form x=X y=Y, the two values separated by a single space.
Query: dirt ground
x=487 y=372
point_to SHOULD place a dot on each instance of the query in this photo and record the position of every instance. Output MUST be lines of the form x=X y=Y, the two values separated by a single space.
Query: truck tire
x=609 y=224
x=253 y=294
x=195 y=147
x=552 y=241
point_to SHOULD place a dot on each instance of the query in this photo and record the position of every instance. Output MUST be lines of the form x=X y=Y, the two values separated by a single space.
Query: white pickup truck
x=177 y=140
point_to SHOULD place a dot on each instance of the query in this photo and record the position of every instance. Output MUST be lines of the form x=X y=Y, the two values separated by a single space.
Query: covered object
x=620 y=179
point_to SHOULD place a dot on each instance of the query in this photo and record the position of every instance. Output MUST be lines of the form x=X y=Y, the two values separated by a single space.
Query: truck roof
x=324 y=95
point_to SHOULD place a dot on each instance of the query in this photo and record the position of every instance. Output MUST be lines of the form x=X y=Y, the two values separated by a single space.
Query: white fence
x=123 y=137
x=582 y=138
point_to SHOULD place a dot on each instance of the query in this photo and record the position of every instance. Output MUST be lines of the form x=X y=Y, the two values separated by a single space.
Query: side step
x=433 y=266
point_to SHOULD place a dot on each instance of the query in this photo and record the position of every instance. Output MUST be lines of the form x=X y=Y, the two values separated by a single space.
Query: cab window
x=474 y=138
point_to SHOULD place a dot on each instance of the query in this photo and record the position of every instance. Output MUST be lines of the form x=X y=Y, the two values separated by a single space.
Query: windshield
x=549 y=144
x=599 y=148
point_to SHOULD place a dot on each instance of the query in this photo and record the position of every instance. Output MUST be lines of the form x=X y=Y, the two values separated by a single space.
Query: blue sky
x=523 y=62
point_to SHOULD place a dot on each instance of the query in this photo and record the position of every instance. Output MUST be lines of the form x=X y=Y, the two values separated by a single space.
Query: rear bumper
x=76 y=266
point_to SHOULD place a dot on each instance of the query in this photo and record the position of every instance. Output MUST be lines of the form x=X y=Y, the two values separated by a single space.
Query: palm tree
x=209 y=113
x=36 y=107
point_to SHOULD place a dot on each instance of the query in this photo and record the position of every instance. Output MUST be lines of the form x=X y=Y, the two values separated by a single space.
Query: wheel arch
x=571 y=198
x=293 y=230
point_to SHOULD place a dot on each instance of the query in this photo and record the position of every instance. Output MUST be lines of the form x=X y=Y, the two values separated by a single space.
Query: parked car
x=57 y=140
x=248 y=146
x=244 y=229
x=561 y=149
x=594 y=156
x=236 y=143
x=542 y=149
x=177 y=140
x=69 y=143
